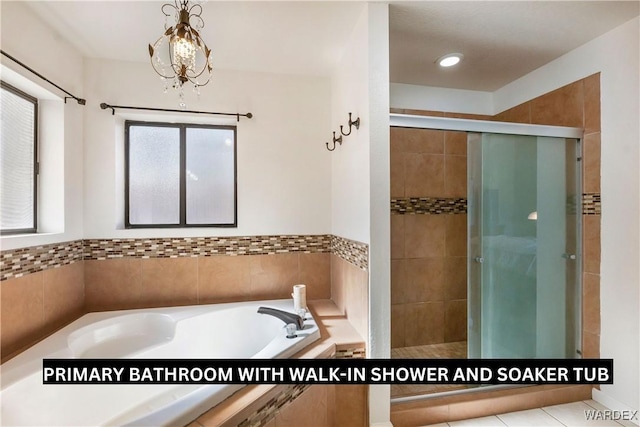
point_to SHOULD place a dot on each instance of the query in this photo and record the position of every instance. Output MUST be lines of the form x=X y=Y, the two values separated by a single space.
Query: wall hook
x=355 y=123
x=338 y=140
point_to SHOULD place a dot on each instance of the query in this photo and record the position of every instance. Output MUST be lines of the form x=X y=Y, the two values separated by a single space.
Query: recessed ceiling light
x=450 y=59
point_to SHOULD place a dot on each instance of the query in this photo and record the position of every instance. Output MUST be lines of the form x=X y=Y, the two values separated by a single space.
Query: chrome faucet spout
x=285 y=316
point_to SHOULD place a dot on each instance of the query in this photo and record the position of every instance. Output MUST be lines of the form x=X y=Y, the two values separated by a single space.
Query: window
x=180 y=175
x=18 y=161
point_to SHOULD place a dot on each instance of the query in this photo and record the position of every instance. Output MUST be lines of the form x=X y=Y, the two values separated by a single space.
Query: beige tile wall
x=426 y=248
x=124 y=283
x=37 y=304
x=350 y=292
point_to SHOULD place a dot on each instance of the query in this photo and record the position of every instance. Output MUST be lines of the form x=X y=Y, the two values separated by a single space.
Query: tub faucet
x=285 y=316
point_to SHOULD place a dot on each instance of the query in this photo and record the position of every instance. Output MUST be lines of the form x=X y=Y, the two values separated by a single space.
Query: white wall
x=350 y=209
x=283 y=171
x=379 y=190
x=615 y=56
x=441 y=99
x=32 y=41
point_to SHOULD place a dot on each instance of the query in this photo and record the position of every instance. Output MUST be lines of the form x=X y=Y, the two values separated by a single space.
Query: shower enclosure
x=523 y=246
x=523 y=236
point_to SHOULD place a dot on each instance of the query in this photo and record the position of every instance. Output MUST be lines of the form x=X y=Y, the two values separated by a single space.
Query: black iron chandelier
x=180 y=55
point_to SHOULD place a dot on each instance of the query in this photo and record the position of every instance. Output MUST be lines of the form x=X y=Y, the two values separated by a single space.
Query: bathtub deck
x=336 y=335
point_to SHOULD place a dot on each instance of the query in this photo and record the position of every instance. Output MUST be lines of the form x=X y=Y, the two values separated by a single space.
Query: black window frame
x=183 y=182
x=14 y=90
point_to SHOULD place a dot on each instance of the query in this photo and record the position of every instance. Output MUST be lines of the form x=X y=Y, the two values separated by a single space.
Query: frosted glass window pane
x=17 y=162
x=210 y=176
x=154 y=175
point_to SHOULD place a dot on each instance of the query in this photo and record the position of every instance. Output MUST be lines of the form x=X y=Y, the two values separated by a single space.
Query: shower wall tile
x=398 y=281
x=467 y=116
x=424 y=175
x=591 y=243
x=561 y=107
x=518 y=114
x=456 y=235
x=590 y=345
x=425 y=279
x=591 y=163
x=592 y=104
x=455 y=143
x=424 y=323
x=416 y=112
x=455 y=320
x=397 y=174
x=455 y=278
x=455 y=176
x=591 y=303
x=424 y=236
x=397 y=325
x=410 y=140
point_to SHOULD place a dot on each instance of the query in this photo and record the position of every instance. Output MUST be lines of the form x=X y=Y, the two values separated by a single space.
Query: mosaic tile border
x=267 y=412
x=428 y=205
x=16 y=263
x=351 y=353
x=351 y=251
x=101 y=249
x=591 y=204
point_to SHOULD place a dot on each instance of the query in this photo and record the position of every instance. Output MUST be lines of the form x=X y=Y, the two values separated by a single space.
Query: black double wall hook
x=355 y=123
x=338 y=140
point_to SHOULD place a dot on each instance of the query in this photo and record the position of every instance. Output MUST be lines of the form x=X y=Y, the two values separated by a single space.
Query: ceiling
x=501 y=40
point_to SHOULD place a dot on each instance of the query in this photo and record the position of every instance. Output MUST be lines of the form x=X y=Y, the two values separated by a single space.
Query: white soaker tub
x=217 y=331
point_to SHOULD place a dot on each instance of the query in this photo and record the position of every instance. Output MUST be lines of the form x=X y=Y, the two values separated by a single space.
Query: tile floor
x=568 y=414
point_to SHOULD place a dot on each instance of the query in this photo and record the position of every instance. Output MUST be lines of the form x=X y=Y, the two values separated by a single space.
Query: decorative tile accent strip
x=428 y=205
x=351 y=251
x=591 y=204
x=351 y=353
x=266 y=413
x=100 y=249
x=18 y=262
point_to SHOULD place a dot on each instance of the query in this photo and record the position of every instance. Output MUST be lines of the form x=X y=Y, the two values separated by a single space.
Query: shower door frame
x=508 y=128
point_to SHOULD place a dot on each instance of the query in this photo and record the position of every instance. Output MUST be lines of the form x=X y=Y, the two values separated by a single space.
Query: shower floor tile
x=452 y=350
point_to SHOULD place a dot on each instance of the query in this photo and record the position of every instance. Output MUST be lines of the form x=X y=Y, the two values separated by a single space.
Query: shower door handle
x=479 y=259
x=569 y=256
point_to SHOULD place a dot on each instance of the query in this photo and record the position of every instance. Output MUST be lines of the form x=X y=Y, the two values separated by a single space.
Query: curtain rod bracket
x=104 y=106
x=80 y=101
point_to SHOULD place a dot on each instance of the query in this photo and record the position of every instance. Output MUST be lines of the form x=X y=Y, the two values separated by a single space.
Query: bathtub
x=231 y=331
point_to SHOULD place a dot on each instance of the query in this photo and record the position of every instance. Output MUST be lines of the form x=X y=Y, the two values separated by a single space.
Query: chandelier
x=180 y=55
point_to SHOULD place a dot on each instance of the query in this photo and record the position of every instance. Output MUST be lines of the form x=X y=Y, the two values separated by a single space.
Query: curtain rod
x=104 y=106
x=80 y=101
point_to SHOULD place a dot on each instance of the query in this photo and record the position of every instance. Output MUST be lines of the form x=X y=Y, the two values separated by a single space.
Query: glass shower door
x=523 y=262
